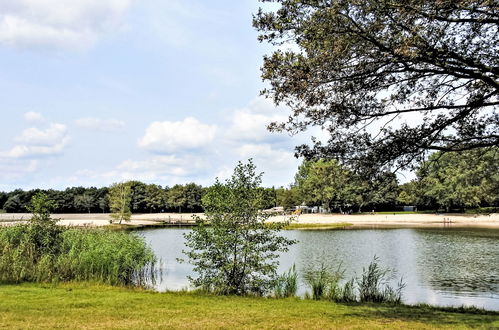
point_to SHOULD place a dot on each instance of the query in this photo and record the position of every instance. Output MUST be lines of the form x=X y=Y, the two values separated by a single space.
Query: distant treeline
x=451 y=181
x=145 y=198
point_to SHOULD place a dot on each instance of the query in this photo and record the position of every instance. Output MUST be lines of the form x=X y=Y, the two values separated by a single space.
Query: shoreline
x=352 y=221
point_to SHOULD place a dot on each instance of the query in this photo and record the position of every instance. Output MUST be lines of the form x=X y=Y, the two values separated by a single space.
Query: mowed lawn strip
x=88 y=306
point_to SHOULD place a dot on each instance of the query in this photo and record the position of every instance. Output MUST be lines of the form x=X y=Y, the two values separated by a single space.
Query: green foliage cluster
x=185 y=197
x=449 y=181
x=237 y=252
x=468 y=179
x=373 y=285
x=111 y=257
x=41 y=251
x=331 y=185
x=70 y=200
x=323 y=282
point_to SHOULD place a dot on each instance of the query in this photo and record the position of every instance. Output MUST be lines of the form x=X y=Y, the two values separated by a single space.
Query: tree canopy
x=467 y=179
x=389 y=80
x=329 y=184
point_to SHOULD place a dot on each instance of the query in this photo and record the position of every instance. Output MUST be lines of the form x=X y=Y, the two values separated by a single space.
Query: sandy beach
x=356 y=220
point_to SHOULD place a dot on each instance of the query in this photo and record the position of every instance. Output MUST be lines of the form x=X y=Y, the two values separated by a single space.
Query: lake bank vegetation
x=42 y=251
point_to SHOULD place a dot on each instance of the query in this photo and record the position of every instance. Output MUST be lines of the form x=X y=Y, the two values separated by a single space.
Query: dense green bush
x=234 y=250
x=117 y=258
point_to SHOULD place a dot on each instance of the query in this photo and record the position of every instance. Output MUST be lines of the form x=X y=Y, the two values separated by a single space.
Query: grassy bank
x=341 y=225
x=97 y=306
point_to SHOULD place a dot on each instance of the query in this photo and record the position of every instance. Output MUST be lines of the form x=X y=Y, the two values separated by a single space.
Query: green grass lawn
x=87 y=306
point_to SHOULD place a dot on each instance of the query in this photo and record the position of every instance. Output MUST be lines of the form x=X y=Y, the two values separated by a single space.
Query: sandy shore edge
x=356 y=220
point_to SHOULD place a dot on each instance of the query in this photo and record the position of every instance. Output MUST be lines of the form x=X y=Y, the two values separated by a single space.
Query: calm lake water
x=446 y=267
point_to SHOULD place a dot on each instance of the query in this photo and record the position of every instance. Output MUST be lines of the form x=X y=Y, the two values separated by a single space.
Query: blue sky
x=164 y=91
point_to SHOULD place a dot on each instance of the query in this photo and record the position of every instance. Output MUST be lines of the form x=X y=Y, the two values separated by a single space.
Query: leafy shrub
x=234 y=250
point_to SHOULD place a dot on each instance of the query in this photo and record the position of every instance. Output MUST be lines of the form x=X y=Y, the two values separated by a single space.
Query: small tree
x=43 y=231
x=120 y=197
x=236 y=253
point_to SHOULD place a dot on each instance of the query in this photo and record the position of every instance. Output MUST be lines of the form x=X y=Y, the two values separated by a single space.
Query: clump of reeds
x=286 y=284
x=117 y=258
x=372 y=286
x=323 y=280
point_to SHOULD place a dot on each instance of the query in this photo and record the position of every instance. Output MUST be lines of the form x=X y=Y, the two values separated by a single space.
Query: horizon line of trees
x=445 y=181
x=144 y=198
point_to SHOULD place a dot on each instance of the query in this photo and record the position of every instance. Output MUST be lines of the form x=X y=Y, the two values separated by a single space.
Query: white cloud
x=33 y=116
x=24 y=151
x=163 y=166
x=159 y=169
x=250 y=123
x=35 y=142
x=171 y=136
x=35 y=136
x=12 y=169
x=98 y=124
x=58 y=23
x=279 y=165
x=277 y=157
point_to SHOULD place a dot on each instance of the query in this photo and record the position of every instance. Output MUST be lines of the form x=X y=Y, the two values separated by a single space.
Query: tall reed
x=374 y=284
x=286 y=284
x=117 y=258
x=323 y=280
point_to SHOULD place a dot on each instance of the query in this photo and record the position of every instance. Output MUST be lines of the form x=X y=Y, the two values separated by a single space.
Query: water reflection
x=440 y=266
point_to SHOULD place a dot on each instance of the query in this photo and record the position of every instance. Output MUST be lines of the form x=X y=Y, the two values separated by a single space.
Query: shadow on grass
x=462 y=316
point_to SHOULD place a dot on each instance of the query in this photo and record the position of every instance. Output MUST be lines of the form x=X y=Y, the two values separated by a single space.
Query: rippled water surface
x=440 y=266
